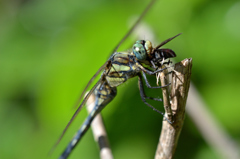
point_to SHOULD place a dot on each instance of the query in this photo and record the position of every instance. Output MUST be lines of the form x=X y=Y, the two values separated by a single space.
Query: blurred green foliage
x=49 y=49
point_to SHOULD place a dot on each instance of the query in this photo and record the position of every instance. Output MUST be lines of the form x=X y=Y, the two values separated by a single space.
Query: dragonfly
x=120 y=67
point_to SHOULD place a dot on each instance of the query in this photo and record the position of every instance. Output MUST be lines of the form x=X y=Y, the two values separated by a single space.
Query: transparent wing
x=115 y=49
x=83 y=102
x=134 y=26
x=91 y=80
x=97 y=73
x=75 y=114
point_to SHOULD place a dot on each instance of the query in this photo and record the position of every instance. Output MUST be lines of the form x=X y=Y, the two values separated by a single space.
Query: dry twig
x=99 y=132
x=211 y=129
x=179 y=92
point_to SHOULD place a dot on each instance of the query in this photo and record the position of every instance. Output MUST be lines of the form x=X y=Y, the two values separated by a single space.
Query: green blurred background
x=49 y=49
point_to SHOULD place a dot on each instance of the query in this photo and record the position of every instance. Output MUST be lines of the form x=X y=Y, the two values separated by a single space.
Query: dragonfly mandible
x=121 y=66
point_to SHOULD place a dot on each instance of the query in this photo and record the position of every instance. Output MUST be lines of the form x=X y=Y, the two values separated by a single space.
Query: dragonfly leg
x=149 y=86
x=149 y=71
x=103 y=95
x=156 y=99
x=143 y=97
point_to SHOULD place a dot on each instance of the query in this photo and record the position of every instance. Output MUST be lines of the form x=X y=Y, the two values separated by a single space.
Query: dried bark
x=180 y=86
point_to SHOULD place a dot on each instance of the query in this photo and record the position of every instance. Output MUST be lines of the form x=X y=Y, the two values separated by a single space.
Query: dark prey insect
x=121 y=66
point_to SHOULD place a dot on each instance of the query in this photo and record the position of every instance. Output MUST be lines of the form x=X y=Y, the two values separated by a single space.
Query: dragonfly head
x=142 y=49
x=145 y=53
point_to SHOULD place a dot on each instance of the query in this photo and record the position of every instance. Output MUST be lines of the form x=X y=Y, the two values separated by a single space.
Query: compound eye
x=148 y=47
x=139 y=50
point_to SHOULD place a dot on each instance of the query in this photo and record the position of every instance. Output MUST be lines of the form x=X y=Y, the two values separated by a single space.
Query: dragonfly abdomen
x=103 y=95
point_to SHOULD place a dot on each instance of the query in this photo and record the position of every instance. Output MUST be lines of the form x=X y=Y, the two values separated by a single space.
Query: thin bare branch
x=211 y=129
x=165 y=91
x=170 y=133
x=99 y=132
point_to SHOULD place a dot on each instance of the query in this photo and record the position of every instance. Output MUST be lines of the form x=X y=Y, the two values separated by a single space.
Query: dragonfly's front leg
x=143 y=97
x=148 y=71
x=149 y=86
x=103 y=95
